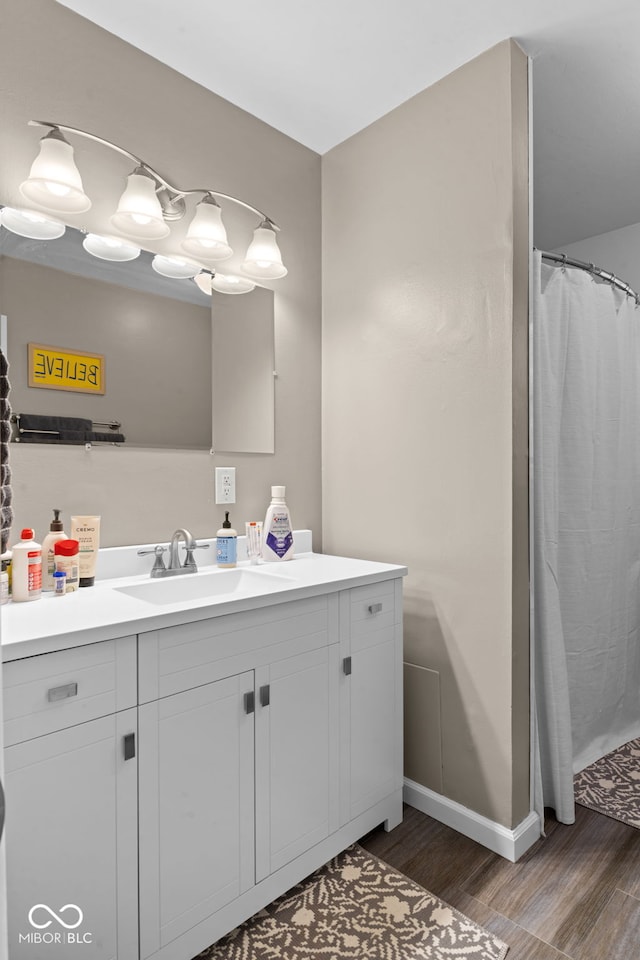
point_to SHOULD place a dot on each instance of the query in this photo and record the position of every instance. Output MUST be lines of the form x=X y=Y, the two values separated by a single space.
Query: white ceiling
x=320 y=72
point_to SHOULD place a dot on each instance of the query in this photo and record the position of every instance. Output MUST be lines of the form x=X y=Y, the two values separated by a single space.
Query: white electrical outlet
x=225 y=484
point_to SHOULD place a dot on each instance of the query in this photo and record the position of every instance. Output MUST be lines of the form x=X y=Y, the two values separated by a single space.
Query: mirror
x=182 y=370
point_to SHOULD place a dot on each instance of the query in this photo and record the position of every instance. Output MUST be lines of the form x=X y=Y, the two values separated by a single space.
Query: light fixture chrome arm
x=176 y=193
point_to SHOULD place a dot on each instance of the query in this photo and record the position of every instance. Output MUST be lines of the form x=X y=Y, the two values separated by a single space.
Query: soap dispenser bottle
x=48 y=557
x=226 y=544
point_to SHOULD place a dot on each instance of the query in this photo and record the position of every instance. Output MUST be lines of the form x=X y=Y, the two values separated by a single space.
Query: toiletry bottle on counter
x=253 y=529
x=86 y=530
x=5 y=559
x=67 y=554
x=226 y=544
x=26 y=564
x=48 y=557
x=277 y=541
x=59 y=583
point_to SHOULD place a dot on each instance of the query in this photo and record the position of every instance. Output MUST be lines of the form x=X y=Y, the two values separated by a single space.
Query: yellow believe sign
x=59 y=369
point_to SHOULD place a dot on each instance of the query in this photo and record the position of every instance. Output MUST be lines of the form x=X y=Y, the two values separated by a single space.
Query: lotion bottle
x=277 y=541
x=27 y=568
x=226 y=544
x=48 y=557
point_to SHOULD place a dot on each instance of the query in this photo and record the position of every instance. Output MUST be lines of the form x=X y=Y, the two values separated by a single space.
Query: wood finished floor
x=575 y=894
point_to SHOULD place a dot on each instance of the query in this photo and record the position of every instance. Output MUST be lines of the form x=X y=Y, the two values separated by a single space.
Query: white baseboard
x=510 y=844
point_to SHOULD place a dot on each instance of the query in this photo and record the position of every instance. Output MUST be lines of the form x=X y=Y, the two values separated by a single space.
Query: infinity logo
x=56 y=916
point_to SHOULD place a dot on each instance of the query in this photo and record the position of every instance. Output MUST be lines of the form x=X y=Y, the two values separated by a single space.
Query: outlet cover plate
x=225 y=484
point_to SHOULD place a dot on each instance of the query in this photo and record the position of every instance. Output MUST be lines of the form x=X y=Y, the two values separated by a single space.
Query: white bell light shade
x=264 y=260
x=175 y=267
x=203 y=281
x=206 y=237
x=228 y=283
x=29 y=223
x=139 y=213
x=110 y=248
x=54 y=181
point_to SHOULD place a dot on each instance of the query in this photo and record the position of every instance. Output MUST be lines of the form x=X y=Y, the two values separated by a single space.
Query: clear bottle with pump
x=277 y=543
x=26 y=581
x=56 y=533
x=226 y=545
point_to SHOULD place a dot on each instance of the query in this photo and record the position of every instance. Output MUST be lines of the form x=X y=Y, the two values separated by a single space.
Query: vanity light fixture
x=206 y=237
x=223 y=283
x=228 y=283
x=54 y=181
x=139 y=213
x=263 y=260
x=175 y=267
x=31 y=224
x=148 y=204
x=110 y=248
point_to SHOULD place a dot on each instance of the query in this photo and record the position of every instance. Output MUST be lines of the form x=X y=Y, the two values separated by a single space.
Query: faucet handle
x=158 y=567
x=189 y=562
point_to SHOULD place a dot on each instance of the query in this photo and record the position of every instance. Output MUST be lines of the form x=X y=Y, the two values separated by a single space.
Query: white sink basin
x=223 y=584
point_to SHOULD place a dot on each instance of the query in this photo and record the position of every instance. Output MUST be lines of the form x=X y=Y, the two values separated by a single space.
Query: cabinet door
x=371 y=700
x=196 y=791
x=71 y=834
x=296 y=756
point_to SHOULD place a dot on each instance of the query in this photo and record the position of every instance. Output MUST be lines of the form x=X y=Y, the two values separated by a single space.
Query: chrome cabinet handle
x=346 y=666
x=249 y=702
x=265 y=695
x=374 y=607
x=62 y=692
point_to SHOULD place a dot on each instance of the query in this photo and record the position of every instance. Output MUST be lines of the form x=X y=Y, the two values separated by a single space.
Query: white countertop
x=103 y=612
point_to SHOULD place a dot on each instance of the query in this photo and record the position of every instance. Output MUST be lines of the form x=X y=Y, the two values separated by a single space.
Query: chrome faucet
x=189 y=565
x=175 y=567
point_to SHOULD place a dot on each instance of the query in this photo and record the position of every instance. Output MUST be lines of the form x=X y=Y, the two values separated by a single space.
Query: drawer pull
x=63 y=692
x=265 y=695
x=129 y=746
x=249 y=702
x=346 y=666
x=374 y=607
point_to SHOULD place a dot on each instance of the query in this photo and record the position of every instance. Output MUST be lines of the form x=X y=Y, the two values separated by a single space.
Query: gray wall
x=424 y=410
x=87 y=78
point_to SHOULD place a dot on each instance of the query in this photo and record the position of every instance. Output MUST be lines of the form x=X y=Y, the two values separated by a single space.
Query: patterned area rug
x=358 y=908
x=612 y=785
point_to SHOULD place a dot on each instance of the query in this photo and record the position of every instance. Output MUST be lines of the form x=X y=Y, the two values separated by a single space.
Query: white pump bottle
x=277 y=543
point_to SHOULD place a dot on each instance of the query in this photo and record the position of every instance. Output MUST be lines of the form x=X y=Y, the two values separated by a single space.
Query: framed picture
x=59 y=368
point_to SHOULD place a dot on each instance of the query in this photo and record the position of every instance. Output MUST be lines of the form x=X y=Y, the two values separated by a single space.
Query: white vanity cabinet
x=197 y=794
x=238 y=761
x=71 y=794
x=171 y=784
x=370 y=696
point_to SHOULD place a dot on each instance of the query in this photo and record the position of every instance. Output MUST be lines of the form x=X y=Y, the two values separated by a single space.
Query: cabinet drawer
x=56 y=690
x=190 y=655
x=372 y=611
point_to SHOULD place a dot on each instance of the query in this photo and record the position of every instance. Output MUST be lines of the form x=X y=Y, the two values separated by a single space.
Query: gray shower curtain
x=586 y=524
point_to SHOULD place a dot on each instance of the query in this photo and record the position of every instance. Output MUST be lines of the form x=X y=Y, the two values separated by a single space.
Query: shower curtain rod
x=565 y=261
